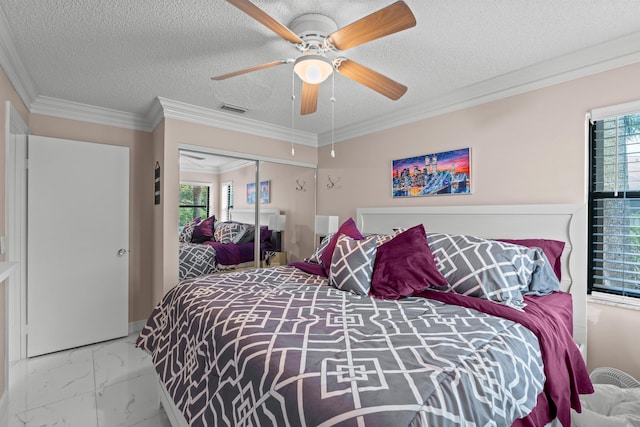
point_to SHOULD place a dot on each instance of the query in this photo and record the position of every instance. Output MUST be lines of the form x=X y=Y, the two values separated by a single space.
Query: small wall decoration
x=264 y=194
x=448 y=172
x=265 y=191
x=157 y=185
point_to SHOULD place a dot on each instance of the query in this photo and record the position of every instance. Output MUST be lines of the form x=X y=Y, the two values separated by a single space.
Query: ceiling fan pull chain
x=293 y=109
x=333 y=114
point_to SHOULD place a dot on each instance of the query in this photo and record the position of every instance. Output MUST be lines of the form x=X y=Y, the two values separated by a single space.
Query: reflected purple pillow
x=203 y=231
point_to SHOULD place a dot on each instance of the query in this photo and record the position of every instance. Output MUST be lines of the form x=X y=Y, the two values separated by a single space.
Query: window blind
x=614 y=201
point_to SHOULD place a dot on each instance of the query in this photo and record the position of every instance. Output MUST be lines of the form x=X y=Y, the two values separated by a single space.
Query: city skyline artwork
x=447 y=172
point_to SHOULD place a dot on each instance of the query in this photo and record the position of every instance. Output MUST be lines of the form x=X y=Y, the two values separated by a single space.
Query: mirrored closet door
x=222 y=198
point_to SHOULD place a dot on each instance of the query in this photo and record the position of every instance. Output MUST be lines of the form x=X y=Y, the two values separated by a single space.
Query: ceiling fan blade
x=262 y=17
x=391 y=19
x=309 y=101
x=371 y=79
x=256 y=68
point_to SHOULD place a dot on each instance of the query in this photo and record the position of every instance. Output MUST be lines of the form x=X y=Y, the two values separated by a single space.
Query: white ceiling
x=121 y=54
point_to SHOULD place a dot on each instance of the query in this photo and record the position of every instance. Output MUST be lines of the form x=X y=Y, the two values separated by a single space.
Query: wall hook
x=300 y=187
x=331 y=184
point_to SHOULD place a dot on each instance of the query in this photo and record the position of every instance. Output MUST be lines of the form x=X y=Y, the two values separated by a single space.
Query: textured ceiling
x=121 y=54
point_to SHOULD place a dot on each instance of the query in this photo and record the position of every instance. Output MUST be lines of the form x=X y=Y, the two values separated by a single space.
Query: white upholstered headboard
x=567 y=223
x=248 y=216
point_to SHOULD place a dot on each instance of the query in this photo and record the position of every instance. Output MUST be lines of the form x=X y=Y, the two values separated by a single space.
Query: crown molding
x=206 y=116
x=603 y=57
x=54 y=107
x=13 y=66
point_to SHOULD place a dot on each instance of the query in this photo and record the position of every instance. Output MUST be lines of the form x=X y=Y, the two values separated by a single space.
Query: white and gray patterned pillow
x=317 y=255
x=482 y=268
x=228 y=231
x=187 y=231
x=384 y=238
x=352 y=264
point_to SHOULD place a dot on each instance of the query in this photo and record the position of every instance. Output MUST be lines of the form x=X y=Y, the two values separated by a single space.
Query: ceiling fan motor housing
x=313 y=29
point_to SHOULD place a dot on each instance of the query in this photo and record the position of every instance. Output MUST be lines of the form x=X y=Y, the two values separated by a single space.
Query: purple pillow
x=308 y=267
x=203 y=231
x=551 y=248
x=405 y=266
x=348 y=228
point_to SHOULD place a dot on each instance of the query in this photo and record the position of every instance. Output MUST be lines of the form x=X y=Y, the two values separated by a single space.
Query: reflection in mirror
x=297 y=208
x=228 y=189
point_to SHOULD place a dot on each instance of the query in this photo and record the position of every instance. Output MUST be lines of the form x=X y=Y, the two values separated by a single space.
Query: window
x=194 y=202
x=226 y=202
x=614 y=205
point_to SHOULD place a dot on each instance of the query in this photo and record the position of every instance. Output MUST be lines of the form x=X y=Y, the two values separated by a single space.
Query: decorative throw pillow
x=348 y=228
x=204 y=230
x=316 y=257
x=226 y=232
x=352 y=264
x=405 y=266
x=384 y=238
x=187 y=230
x=552 y=249
x=488 y=269
x=246 y=236
x=543 y=279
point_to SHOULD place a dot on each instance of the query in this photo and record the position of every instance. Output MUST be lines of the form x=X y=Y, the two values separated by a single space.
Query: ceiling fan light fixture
x=313 y=69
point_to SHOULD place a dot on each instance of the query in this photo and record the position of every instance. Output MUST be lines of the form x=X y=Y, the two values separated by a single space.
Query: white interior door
x=77 y=243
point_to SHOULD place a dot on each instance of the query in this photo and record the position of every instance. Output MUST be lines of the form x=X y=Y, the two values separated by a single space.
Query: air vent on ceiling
x=233 y=108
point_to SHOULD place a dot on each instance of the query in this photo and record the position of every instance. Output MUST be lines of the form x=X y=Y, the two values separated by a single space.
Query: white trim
x=4 y=404
x=602 y=57
x=585 y=62
x=612 y=111
x=53 y=107
x=621 y=301
x=243 y=156
x=205 y=116
x=135 y=327
x=16 y=131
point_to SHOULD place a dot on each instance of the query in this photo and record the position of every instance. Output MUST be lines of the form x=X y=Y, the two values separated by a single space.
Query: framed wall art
x=447 y=172
x=264 y=192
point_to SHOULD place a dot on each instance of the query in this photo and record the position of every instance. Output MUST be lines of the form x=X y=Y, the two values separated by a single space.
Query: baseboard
x=135 y=327
x=4 y=406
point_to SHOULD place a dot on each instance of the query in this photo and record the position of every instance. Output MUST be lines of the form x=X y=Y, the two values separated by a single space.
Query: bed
x=209 y=246
x=292 y=347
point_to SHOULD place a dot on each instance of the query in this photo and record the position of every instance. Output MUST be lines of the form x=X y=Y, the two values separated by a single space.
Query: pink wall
x=140 y=195
x=612 y=337
x=526 y=149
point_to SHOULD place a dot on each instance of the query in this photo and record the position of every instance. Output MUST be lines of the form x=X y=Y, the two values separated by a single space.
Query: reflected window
x=194 y=202
x=226 y=200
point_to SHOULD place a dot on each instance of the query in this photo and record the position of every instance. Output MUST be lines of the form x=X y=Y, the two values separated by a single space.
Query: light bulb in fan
x=313 y=69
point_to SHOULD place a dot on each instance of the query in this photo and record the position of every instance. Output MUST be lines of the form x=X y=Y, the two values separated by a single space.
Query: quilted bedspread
x=279 y=347
x=195 y=259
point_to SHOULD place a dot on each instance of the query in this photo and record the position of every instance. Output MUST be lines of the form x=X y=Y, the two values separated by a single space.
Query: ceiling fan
x=315 y=35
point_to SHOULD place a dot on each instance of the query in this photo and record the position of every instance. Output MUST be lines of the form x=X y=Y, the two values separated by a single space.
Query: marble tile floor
x=109 y=384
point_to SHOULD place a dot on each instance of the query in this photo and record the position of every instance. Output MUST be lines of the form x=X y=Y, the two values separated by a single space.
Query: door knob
x=122 y=252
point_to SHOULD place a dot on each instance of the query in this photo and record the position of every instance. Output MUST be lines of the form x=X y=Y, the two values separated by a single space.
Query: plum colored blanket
x=550 y=319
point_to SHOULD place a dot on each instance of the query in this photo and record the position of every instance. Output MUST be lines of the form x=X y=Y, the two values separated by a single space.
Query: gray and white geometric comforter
x=279 y=347
x=196 y=260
